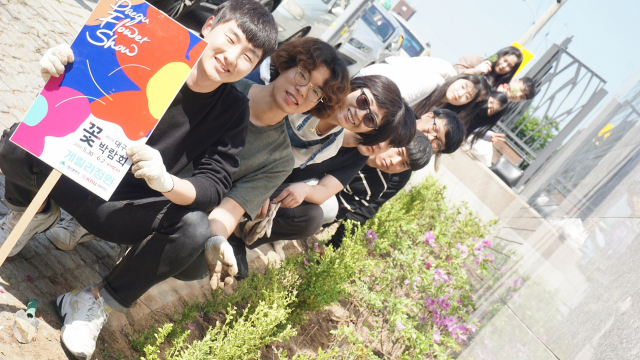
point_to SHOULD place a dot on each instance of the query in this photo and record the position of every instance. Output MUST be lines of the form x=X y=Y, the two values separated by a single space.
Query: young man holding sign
x=162 y=217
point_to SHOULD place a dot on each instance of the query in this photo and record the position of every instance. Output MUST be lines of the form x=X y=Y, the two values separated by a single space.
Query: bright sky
x=605 y=32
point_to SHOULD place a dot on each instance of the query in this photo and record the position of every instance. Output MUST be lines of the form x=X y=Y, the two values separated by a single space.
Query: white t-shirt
x=308 y=133
x=416 y=77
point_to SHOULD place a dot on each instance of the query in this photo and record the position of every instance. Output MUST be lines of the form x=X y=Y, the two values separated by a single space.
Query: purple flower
x=201 y=314
x=315 y=246
x=430 y=239
x=401 y=267
x=516 y=283
x=191 y=326
x=487 y=243
x=261 y=271
x=372 y=235
x=436 y=336
x=306 y=263
x=464 y=250
x=400 y=327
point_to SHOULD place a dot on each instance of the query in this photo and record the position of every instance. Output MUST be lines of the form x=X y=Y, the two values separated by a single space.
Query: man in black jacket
x=162 y=217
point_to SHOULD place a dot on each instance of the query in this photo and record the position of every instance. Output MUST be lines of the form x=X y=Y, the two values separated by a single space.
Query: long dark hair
x=398 y=125
x=505 y=78
x=482 y=122
x=465 y=112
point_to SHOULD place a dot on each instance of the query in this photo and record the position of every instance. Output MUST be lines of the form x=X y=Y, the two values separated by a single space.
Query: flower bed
x=404 y=275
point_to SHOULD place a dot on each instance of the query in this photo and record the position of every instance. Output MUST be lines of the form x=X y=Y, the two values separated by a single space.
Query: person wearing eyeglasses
x=445 y=133
x=374 y=109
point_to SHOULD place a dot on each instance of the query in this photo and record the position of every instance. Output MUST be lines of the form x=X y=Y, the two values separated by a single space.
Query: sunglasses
x=362 y=102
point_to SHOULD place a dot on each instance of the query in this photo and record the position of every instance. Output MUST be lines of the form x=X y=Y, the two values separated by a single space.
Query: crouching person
x=307 y=76
x=162 y=217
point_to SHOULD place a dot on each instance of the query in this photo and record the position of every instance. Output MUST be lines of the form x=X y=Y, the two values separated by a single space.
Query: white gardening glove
x=147 y=165
x=221 y=261
x=483 y=68
x=54 y=60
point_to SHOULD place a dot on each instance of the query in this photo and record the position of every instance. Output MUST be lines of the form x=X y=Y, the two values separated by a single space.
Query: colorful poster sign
x=130 y=62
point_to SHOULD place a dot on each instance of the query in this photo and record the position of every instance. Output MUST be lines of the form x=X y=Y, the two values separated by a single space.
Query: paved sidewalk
x=27 y=29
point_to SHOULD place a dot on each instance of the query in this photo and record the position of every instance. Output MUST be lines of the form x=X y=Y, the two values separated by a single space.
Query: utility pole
x=540 y=22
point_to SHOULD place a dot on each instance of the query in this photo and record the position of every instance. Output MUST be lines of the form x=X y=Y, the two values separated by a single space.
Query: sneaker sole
x=39 y=230
x=58 y=303
x=83 y=239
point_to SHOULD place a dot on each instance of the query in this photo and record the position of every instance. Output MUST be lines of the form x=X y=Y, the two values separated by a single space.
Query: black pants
x=165 y=237
x=288 y=224
x=363 y=213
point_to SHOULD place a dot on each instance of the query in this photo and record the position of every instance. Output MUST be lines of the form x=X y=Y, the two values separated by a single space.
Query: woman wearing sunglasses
x=374 y=109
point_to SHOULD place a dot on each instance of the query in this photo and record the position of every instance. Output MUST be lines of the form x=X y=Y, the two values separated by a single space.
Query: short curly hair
x=309 y=54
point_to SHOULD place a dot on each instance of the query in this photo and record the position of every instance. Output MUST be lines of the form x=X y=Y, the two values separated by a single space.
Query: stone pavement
x=27 y=29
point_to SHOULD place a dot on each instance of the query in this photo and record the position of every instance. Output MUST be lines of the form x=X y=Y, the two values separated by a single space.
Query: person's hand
x=147 y=165
x=221 y=262
x=264 y=210
x=293 y=195
x=54 y=60
x=483 y=68
x=504 y=88
x=495 y=137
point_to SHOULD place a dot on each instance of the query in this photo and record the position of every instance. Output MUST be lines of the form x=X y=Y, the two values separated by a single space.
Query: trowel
x=25 y=327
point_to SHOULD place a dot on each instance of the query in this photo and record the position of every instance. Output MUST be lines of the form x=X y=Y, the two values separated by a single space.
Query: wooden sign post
x=28 y=215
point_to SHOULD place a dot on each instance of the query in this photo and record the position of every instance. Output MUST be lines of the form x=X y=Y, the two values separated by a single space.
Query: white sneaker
x=83 y=317
x=67 y=234
x=40 y=222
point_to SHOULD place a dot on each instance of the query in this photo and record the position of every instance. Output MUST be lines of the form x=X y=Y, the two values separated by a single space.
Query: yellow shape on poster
x=163 y=85
x=526 y=56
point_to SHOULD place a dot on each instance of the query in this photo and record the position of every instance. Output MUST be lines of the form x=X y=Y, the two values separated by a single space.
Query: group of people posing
x=256 y=139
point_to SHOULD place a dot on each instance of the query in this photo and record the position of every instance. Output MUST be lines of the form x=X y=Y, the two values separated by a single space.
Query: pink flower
x=377 y=287
x=464 y=250
x=472 y=328
x=430 y=239
x=440 y=275
x=490 y=257
x=406 y=282
x=306 y=263
x=428 y=264
x=261 y=271
x=436 y=336
x=191 y=326
x=487 y=243
x=315 y=245
x=400 y=327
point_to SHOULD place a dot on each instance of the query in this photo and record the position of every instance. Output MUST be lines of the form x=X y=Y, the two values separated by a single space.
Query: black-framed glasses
x=362 y=102
x=303 y=78
x=436 y=141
